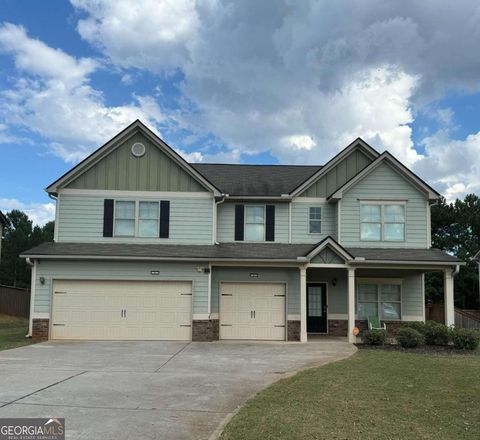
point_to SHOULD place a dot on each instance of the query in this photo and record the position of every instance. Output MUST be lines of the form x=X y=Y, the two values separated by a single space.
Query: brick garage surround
x=205 y=330
x=40 y=329
x=293 y=330
x=339 y=327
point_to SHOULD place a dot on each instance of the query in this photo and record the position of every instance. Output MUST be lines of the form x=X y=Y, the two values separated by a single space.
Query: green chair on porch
x=374 y=323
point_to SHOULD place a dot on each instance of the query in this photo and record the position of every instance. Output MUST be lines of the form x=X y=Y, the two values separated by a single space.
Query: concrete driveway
x=148 y=390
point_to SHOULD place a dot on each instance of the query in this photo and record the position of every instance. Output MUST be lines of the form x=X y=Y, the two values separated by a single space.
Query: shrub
x=375 y=337
x=465 y=338
x=419 y=326
x=408 y=337
x=436 y=333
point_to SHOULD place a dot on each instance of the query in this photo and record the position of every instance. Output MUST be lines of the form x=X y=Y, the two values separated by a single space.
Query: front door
x=317 y=308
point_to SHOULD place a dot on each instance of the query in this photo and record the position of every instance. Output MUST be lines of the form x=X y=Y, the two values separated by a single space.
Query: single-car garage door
x=155 y=310
x=252 y=311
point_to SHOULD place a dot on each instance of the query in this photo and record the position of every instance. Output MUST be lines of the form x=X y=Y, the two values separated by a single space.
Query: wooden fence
x=466 y=319
x=14 y=301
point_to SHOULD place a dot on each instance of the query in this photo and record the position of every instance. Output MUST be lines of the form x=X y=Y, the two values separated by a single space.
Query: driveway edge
x=221 y=426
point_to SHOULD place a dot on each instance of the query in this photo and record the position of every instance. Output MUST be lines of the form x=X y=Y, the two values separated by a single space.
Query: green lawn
x=372 y=395
x=12 y=332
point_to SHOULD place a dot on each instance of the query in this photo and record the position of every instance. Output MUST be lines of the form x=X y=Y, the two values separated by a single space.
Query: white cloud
x=452 y=166
x=58 y=103
x=39 y=213
x=147 y=34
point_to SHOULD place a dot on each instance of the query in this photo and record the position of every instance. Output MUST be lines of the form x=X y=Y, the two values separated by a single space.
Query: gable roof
x=356 y=144
x=3 y=219
x=386 y=157
x=112 y=144
x=256 y=180
x=329 y=242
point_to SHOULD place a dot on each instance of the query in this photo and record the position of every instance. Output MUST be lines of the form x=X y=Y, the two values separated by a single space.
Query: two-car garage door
x=155 y=310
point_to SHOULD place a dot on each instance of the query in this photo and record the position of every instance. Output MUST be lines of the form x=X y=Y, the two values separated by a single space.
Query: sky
x=277 y=81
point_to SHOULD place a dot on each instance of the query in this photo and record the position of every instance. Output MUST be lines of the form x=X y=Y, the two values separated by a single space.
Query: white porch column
x=351 y=304
x=303 y=304
x=448 y=292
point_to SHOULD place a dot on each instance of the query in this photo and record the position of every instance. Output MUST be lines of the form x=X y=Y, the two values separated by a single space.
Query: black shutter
x=239 y=220
x=164 y=218
x=108 y=218
x=270 y=223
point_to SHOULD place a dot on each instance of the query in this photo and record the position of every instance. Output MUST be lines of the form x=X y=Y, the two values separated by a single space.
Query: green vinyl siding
x=351 y=165
x=81 y=220
x=384 y=183
x=300 y=222
x=120 y=170
x=226 y=221
x=412 y=291
x=118 y=270
x=291 y=276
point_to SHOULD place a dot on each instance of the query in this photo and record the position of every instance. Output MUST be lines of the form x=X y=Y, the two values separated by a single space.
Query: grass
x=372 y=395
x=12 y=332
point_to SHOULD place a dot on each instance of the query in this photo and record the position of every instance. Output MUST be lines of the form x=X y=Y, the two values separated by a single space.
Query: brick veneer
x=339 y=327
x=293 y=330
x=205 y=330
x=40 y=329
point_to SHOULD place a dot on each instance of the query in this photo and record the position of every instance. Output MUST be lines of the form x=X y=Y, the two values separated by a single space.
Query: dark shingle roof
x=256 y=180
x=379 y=254
x=225 y=251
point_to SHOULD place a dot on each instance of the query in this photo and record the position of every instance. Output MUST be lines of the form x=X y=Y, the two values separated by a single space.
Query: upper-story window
x=382 y=222
x=315 y=220
x=254 y=223
x=139 y=219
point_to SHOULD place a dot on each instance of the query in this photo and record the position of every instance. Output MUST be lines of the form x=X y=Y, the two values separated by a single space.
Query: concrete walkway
x=148 y=390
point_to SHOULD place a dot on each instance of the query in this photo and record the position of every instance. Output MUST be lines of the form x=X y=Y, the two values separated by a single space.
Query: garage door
x=140 y=310
x=252 y=311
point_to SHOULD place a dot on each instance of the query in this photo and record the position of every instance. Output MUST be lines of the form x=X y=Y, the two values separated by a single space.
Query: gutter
x=215 y=218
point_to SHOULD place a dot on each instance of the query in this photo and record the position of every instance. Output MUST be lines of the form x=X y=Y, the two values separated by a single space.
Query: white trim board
x=147 y=194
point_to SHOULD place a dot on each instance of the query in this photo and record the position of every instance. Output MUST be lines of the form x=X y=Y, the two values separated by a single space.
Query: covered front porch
x=339 y=292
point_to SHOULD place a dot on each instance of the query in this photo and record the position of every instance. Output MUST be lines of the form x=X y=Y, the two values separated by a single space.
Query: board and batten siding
x=301 y=221
x=326 y=185
x=118 y=271
x=120 y=170
x=291 y=276
x=384 y=183
x=226 y=221
x=80 y=219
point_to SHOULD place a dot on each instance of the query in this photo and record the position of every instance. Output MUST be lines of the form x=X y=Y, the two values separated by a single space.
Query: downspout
x=224 y=196
x=33 y=265
x=57 y=213
x=456 y=270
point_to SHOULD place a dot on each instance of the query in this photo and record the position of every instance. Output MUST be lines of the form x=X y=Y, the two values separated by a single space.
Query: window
x=139 y=219
x=382 y=297
x=315 y=220
x=148 y=218
x=255 y=223
x=125 y=219
x=382 y=222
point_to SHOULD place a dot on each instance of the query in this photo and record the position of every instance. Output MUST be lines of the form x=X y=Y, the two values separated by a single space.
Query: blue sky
x=229 y=81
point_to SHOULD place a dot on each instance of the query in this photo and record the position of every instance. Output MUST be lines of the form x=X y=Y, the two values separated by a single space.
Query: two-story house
x=148 y=246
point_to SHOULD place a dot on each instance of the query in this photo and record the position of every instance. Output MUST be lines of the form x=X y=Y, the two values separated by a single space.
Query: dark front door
x=317 y=308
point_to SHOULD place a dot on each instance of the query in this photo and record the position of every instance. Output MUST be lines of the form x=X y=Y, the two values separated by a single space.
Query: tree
x=456 y=230
x=20 y=236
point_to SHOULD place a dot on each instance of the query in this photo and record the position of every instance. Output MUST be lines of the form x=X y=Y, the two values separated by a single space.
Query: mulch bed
x=426 y=349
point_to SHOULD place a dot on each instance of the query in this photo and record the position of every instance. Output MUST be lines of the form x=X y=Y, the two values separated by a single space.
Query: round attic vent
x=138 y=149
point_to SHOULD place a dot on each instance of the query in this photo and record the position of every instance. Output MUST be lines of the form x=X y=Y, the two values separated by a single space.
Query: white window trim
x=378 y=282
x=245 y=222
x=382 y=204
x=309 y=220
x=137 y=219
